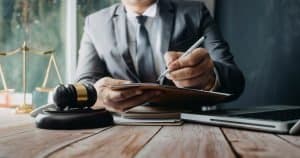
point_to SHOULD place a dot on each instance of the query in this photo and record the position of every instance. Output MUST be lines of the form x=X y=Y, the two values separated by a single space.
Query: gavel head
x=75 y=96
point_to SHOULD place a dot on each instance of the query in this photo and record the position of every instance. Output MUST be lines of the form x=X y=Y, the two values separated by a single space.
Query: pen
x=194 y=46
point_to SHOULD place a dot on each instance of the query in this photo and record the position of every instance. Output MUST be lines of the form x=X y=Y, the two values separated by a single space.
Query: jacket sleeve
x=90 y=67
x=231 y=79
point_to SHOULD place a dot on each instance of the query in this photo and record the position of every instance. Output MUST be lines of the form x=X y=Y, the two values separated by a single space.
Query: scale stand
x=24 y=107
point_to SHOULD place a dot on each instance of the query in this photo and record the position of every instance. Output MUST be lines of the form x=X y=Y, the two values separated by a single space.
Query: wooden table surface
x=20 y=138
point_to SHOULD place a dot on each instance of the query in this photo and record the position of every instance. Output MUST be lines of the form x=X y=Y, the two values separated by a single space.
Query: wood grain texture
x=295 y=140
x=13 y=130
x=12 y=123
x=256 y=144
x=38 y=143
x=190 y=140
x=20 y=138
x=8 y=118
x=119 y=141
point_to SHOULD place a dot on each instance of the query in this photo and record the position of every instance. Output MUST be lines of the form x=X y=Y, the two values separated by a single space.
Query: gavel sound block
x=73 y=109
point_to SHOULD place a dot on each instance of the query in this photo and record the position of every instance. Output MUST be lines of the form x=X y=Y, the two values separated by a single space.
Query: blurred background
x=43 y=25
x=264 y=37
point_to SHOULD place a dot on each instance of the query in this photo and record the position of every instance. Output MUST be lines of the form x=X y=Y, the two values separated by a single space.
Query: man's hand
x=120 y=100
x=195 y=70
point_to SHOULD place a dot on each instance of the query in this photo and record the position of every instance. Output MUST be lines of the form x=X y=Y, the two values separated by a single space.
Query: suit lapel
x=120 y=25
x=166 y=15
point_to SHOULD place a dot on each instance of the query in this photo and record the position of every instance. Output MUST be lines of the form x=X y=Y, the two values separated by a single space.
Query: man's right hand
x=120 y=100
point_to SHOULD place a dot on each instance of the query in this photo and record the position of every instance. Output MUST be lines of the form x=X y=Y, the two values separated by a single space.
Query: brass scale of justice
x=24 y=107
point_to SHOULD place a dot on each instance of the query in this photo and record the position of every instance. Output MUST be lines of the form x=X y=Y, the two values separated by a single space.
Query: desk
x=20 y=138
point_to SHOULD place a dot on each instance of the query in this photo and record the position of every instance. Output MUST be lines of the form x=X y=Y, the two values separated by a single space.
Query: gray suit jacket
x=104 y=50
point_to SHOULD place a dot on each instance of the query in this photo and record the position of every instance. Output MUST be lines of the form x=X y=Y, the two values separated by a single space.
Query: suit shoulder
x=103 y=14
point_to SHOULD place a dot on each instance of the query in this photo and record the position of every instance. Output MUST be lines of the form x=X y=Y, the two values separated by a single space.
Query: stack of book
x=148 y=115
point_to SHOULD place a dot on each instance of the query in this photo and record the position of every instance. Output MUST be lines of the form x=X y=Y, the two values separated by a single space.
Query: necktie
x=144 y=55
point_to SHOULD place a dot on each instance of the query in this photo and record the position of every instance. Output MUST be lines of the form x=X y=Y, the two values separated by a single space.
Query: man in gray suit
x=136 y=40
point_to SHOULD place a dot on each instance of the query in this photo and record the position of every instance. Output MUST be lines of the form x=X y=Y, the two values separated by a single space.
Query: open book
x=178 y=96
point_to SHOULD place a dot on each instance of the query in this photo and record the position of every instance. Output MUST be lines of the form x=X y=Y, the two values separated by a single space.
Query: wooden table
x=20 y=138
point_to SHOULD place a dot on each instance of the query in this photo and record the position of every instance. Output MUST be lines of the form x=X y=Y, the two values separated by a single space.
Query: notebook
x=172 y=95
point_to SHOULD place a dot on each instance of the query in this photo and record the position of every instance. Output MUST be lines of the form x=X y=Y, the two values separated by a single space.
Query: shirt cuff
x=217 y=81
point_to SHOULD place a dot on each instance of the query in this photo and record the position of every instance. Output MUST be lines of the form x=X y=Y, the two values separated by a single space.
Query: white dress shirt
x=151 y=24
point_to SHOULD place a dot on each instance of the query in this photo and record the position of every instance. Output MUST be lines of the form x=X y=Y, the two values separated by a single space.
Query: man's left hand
x=195 y=70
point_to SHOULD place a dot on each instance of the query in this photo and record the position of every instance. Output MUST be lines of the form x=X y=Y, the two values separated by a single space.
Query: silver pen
x=190 y=50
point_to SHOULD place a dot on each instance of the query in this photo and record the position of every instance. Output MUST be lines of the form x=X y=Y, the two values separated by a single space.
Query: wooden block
x=119 y=141
x=190 y=140
x=256 y=144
